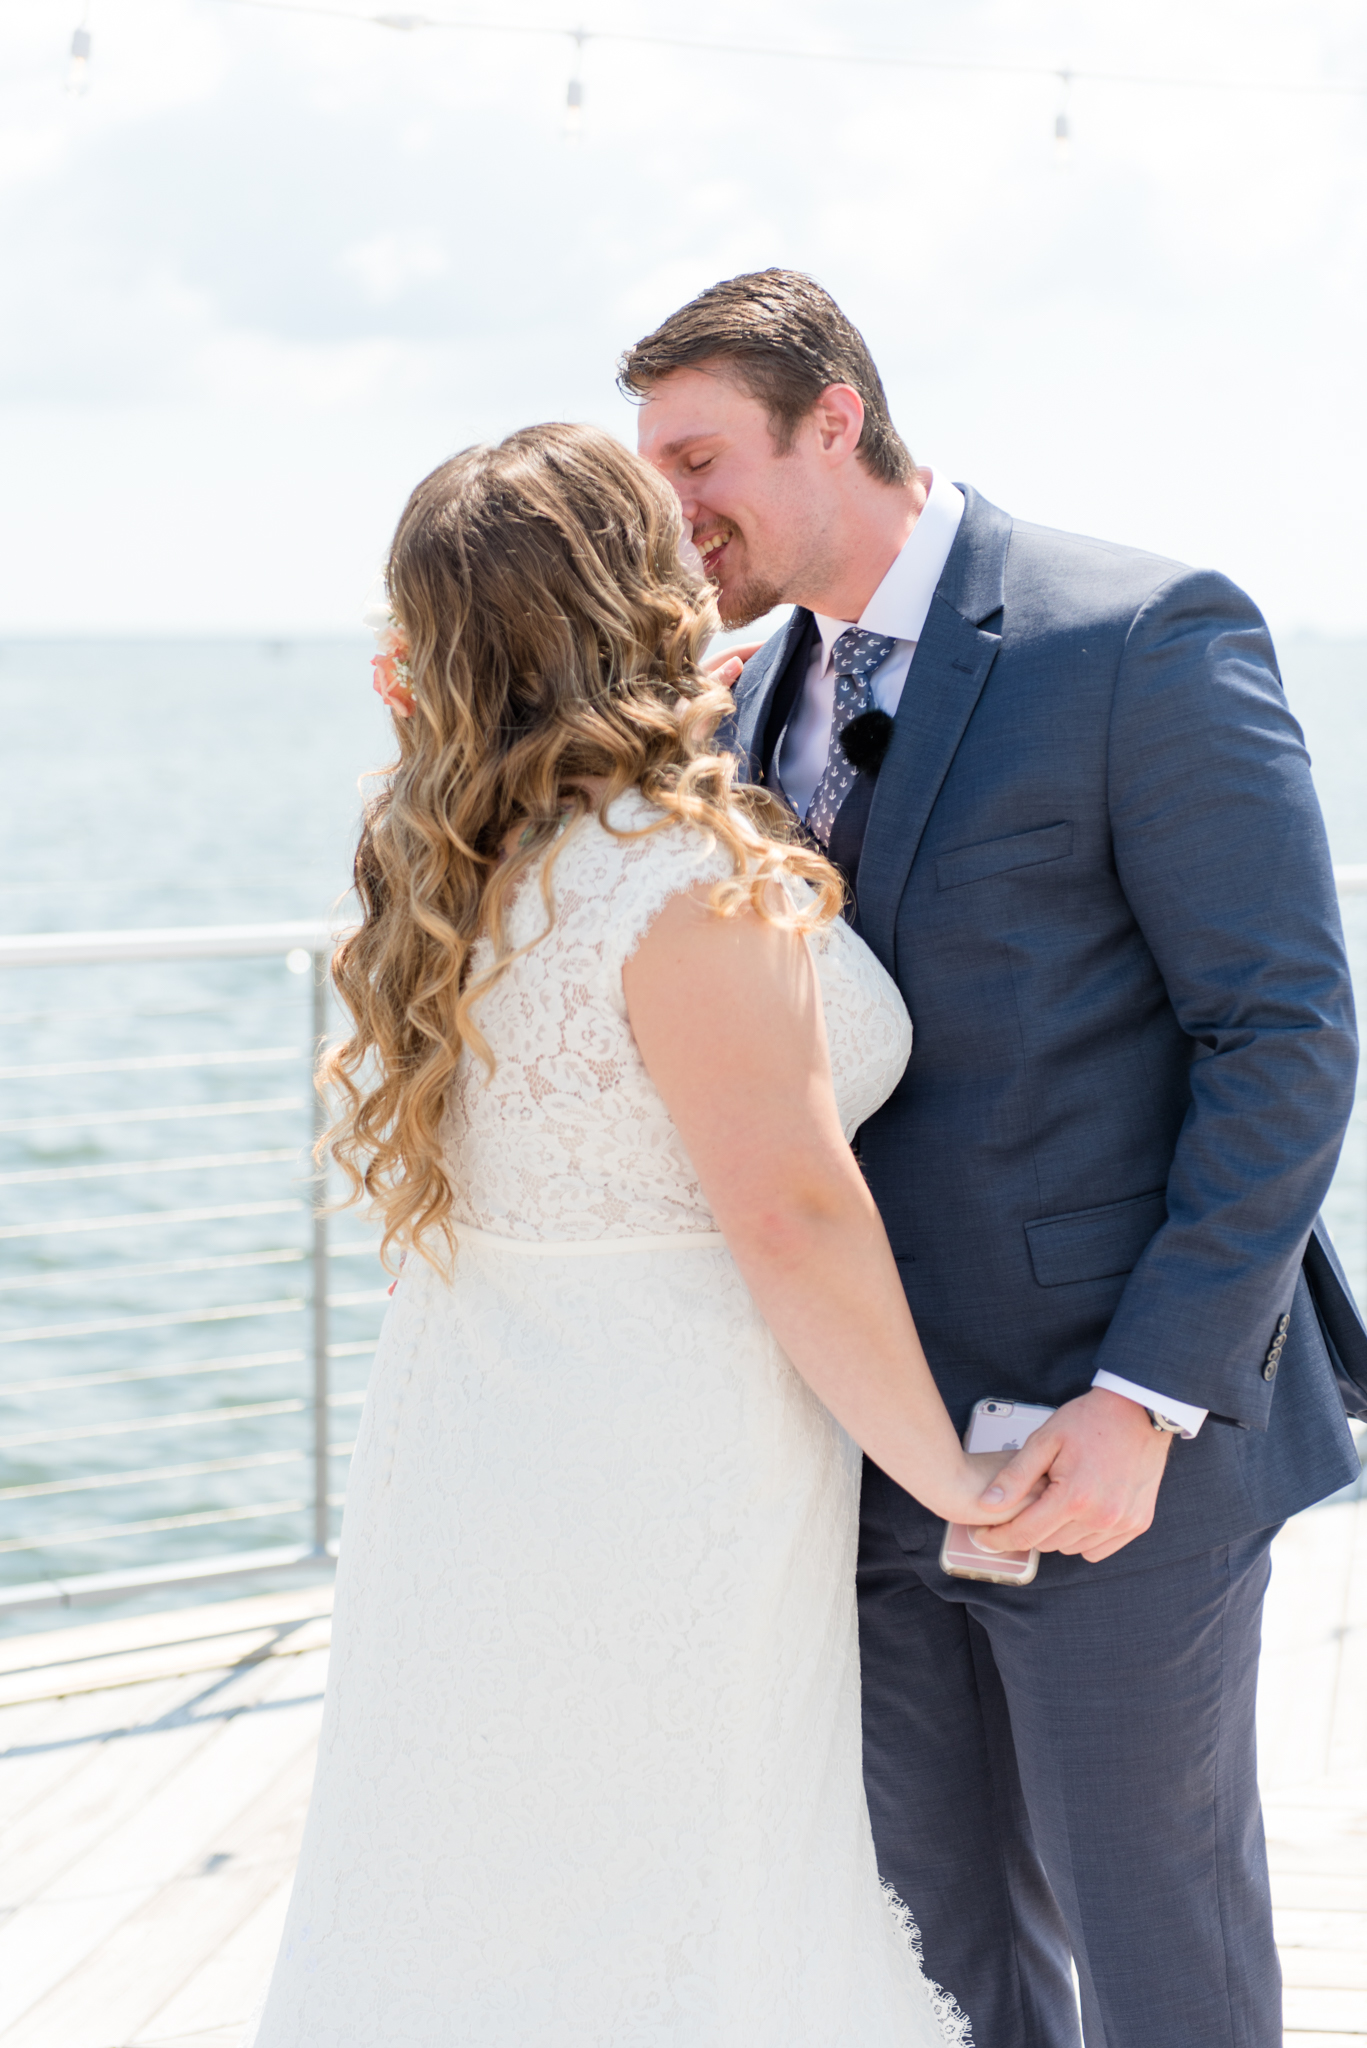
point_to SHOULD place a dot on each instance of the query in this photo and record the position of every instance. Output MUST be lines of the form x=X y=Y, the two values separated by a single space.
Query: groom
x=1079 y=829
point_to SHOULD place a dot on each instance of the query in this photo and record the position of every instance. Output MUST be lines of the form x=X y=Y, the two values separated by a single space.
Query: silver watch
x=1164 y=1424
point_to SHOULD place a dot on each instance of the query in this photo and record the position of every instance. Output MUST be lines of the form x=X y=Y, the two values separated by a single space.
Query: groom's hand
x=1102 y=1461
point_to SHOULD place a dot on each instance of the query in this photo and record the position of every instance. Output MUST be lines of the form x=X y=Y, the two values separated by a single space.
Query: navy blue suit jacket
x=1094 y=862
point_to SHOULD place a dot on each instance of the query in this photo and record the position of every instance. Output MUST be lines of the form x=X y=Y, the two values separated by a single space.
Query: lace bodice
x=570 y=1139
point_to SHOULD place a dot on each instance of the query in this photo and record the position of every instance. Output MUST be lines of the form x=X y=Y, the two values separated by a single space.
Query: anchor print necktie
x=857 y=655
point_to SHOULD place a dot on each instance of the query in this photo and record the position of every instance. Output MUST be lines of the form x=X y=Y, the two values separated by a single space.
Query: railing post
x=320 y=1273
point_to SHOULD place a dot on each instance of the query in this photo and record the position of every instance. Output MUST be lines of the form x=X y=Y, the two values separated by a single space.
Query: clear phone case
x=996 y=1430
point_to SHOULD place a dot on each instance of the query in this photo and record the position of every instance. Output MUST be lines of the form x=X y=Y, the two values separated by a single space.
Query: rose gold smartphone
x=996 y=1430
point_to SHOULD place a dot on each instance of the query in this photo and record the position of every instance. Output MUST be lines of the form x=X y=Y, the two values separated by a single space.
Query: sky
x=271 y=267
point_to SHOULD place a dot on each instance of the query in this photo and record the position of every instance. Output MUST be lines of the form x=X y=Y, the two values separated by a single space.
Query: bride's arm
x=727 y=1015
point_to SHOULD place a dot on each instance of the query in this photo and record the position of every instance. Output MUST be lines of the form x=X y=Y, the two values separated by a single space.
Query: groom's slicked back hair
x=784 y=339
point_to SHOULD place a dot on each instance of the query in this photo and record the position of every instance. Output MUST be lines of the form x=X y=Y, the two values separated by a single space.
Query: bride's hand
x=979 y=1495
x=727 y=667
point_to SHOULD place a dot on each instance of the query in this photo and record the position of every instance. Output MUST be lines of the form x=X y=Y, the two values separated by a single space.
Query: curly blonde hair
x=554 y=635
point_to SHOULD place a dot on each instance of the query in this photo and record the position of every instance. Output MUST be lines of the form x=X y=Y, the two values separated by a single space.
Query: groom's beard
x=745 y=602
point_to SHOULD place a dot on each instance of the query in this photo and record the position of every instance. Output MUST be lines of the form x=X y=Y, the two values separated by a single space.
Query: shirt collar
x=902 y=600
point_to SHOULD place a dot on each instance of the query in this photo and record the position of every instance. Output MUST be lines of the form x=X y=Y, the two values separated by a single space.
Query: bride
x=590 y=1764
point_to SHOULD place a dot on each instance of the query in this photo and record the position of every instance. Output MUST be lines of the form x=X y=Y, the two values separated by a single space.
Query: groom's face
x=756 y=514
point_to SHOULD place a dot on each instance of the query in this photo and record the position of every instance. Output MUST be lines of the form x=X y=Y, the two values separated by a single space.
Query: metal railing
x=305 y=947
x=61 y=1439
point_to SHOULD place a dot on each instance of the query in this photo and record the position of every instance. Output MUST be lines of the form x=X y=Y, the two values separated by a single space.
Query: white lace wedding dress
x=590 y=1764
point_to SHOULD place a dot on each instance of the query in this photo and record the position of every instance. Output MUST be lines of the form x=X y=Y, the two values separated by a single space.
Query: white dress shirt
x=899 y=608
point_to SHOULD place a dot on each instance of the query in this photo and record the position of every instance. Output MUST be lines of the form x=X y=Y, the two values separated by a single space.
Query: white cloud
x=242 y=368
x=387 y=264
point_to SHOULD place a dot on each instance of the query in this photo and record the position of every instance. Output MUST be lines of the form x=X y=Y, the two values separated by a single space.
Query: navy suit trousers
x=1058 y=1770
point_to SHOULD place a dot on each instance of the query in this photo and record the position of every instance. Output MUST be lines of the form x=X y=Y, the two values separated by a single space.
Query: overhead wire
x=789 y=52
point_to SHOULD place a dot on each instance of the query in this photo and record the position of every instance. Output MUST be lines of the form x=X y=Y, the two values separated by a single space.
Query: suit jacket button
x=1283 y=1326
x=1270 y=1369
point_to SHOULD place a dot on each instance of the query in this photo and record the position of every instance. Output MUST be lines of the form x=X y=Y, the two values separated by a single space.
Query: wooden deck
x=154 y=1774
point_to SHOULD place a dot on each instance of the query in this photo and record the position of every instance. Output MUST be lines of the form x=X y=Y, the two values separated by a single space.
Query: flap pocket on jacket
x=997 y=856
x=1092 y=1244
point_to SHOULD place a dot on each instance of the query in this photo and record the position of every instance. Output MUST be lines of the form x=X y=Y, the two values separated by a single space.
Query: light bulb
x=574 y=108
x=78 y=71
x=1063 y=139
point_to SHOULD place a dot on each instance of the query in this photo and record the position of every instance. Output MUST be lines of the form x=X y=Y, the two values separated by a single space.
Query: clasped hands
x=1086 y=1483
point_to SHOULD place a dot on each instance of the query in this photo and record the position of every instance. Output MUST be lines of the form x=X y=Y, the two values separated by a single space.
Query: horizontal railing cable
x=225 y=1006
x=167 y=1319
x=218 y=1262
x=92 y=1276
x=46 y=1489
x=143 y=1219
x=206 y=1519
x=241 y=1361
x=177 y=942
x=151 y=1062
x=244 y=1361
x=159 y=1319
x=179 y=1113
x=195 y=1162
x=203 y=1520
x=199 y=1418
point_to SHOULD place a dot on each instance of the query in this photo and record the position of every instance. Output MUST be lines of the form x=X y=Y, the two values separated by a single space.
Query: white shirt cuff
x=1176 y=1411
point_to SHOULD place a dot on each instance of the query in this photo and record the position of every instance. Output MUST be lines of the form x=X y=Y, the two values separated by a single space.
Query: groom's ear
x=838 y=418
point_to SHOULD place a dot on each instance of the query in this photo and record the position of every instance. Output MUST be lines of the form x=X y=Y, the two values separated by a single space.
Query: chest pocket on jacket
x=998 y=856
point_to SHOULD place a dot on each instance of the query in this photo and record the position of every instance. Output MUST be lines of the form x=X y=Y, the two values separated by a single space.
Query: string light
x=574 y=94
x=873 y=59
x=1063 y=134
x=881 y=60
x=78 y=67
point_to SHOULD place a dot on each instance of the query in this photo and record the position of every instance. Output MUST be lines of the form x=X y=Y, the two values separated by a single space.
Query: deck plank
x=1325 y=1928
x=231 y=1980
x=215 y=1765
x=157 y=1948
x=57 y=1649
x=113 y=1779
x=1302 y=1650
x=103 y=1656
x=44 y=1745
x=1340 y=2013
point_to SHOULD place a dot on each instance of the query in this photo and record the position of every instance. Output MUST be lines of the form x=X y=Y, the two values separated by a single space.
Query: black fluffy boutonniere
x=865 y=741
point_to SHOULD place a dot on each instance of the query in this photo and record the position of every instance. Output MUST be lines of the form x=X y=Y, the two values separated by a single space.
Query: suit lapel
x=755 y=692
x=953 y=658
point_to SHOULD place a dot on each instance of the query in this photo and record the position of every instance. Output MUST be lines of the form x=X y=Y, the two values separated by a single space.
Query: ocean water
x=155 y=784
x=153 y=1373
